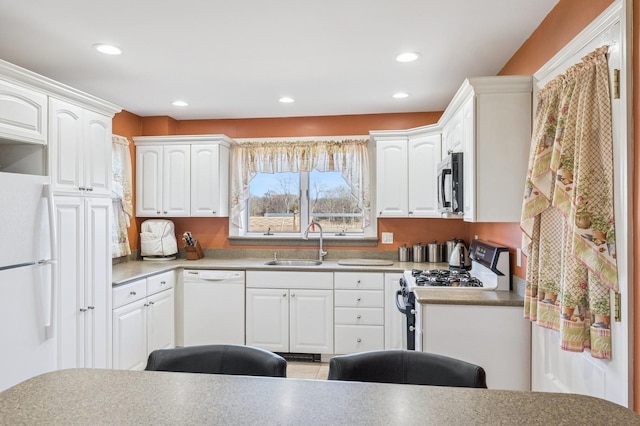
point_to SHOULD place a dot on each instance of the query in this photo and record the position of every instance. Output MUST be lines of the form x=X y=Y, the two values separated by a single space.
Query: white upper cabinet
x=406 y=166
x=79 y=149
x=210 y=180
x=494 y=118
x=162 y=180
x=23 y=114
x=180 y=176
x=392 y=176
x=424 y=155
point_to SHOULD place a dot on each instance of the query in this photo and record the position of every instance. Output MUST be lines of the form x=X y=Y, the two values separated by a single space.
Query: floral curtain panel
x=349 y=156
x=121 y=196
x=568 y=211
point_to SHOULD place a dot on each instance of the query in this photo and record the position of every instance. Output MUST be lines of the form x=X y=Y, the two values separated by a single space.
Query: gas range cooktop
x=445 y=278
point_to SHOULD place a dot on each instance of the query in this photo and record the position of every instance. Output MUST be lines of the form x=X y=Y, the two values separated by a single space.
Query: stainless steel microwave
x=450 y=184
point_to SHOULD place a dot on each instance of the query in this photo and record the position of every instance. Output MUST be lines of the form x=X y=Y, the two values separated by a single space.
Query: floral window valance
x=348 y=156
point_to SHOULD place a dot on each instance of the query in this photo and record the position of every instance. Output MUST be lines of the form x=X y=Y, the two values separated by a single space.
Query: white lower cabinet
x=359 y=312
x=143 y=320
x=496 y=338
x=281 y=317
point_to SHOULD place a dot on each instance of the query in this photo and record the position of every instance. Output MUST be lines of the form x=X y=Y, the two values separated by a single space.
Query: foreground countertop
x=89 y=396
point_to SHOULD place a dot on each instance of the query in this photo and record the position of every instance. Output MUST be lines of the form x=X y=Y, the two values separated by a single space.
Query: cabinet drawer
x=360 y=298
x=289 y=279
x=358 y=338
x=160 y=282
x=128 y=293
x=357 y=280
x=359 y=316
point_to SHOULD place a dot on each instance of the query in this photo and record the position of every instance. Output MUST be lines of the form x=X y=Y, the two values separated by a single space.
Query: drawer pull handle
x=163 y=282
x=133 y=293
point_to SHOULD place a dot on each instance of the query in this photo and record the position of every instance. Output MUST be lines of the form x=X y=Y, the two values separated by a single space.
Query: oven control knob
x=413 y=312
x=412 y=328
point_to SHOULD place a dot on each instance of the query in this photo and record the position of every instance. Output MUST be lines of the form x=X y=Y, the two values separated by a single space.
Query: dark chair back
x=218 y=359
x=406 y=367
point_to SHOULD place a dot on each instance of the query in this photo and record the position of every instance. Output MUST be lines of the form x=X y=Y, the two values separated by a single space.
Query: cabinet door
x=209 y=180
x=66 y=147
x=392 y=178
x=424 y=155
x=161 y=321
x=70 y=278
x=130 y=336
x=148 y=181
x=23 y=114
x=469 y=159
x=176 y=180
x=394 y=321
x=268 y=319
x=97 y=282
x=453 y=134
x=311 y=321
x=97 y=153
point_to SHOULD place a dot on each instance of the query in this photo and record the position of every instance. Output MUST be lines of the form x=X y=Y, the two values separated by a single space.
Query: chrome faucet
x=321 y=252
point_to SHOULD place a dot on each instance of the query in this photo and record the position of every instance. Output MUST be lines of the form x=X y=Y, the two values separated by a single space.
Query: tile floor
x=307 y=370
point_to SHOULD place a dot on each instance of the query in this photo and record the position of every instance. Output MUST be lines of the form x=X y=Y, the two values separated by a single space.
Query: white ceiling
x=234 y=59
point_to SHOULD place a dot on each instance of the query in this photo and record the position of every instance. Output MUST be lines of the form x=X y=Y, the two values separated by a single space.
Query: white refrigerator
x=27 y=278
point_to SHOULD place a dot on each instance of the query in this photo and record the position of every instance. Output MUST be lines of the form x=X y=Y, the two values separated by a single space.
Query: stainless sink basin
x=294 y=263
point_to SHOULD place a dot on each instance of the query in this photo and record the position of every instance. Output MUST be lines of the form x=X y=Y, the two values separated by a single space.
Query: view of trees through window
x=288 y=202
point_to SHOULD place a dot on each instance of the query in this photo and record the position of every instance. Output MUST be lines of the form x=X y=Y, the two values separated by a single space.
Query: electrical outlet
x=387 y=238
x=518 y=257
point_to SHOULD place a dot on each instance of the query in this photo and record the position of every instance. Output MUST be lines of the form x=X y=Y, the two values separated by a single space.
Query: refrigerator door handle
x=49 y=326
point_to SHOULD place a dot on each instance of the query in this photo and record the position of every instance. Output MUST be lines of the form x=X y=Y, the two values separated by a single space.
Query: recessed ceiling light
x=400 y=95
x=179 y=103
x=107 y=49
x=286 y=100
x=407 y=57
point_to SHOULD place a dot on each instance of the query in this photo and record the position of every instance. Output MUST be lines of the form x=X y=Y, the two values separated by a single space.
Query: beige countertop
x=457 y=296
x=130 y=271
x=96 y=397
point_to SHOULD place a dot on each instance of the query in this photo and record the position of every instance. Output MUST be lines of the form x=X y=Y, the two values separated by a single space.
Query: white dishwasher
x=213 y=307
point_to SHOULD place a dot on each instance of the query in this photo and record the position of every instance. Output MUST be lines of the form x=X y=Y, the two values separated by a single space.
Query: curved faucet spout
x=321 y=253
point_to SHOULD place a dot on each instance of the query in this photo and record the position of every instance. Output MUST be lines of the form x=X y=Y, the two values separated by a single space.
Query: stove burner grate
x=445 y=278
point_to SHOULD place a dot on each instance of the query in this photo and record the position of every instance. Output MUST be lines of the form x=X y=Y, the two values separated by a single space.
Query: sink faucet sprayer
x=321 y=252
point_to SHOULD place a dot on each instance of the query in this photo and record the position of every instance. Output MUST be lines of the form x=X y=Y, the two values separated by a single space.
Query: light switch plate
x=387 y=238
x=518 y=257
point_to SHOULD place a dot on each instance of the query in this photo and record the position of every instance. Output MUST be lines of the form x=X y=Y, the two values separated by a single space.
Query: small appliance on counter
x=158 y=240
x=459 y=258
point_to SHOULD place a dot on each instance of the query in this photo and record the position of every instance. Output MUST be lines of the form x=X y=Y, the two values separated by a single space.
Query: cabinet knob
x=151 y=303
x=359 y=299
x=83 y=309
x=213 y=211
x=82 y=188
x=358 y=340
x=89 y=188
x=284 y=295
x=293 y=295
x=358 y=281
x=146 y=304
x=165 y=212
x=358 y=316
x=163 y=282
x=157 y=211
x=91 y=307
x=133 y=293
x=410 y=212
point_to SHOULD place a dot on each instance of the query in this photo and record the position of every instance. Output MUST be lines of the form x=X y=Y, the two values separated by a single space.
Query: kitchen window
x=288 y=202
x=279 y=187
